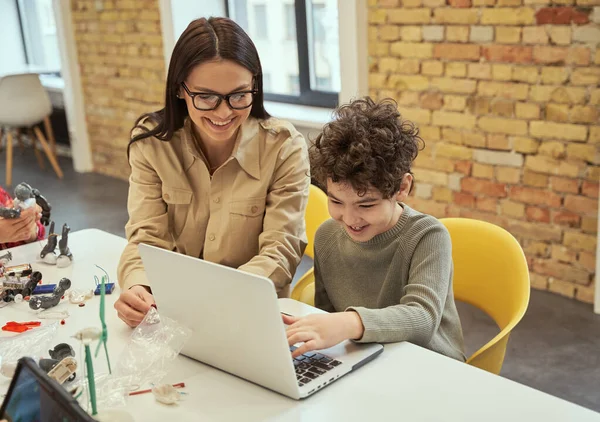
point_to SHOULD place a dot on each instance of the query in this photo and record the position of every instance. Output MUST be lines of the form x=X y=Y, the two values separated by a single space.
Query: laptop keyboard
x=312 y=365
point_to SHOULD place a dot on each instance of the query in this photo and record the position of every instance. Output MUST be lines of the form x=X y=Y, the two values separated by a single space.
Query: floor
x=555 y=348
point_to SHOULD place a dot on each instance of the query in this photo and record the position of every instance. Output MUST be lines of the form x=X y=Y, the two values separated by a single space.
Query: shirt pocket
x=178 y=205
x=246 y=219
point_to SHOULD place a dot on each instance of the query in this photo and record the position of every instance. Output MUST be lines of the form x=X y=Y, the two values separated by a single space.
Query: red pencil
x=135 y=393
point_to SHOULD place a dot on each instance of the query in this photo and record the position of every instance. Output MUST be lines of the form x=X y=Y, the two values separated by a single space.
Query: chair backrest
x=490 y=269
x=317 y=212
x=23 y=100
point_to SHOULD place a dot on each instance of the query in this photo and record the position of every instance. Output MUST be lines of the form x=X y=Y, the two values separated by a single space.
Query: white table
x=405 y=382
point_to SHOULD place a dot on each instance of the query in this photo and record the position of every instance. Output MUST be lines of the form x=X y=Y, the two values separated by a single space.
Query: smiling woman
x=212 y=174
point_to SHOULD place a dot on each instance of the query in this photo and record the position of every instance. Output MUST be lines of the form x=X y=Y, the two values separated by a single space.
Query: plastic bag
x=34 y=343
x=146 y=359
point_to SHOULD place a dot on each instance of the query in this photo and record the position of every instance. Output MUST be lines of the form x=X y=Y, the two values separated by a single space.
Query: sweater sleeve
x=322 y=300
x=419 y=312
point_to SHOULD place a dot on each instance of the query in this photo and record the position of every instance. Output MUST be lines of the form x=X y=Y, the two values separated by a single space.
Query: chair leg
x=48 y=151
x=50 y=133
x=9 y=158
x=38 y=154
x=20 y=140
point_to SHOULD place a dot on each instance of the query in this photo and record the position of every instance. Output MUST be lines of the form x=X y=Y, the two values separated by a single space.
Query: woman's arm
x=148 y=219
x=283 y=239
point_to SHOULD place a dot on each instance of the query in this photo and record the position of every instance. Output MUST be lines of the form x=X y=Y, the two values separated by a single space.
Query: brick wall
x=506 y=94
x=122 y=66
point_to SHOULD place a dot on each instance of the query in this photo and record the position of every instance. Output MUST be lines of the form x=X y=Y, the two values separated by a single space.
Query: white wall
x=12 y=54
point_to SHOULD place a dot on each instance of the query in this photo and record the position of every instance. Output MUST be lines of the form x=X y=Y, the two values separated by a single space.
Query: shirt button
x=166 y=196
x=211 y=237
x=217 y=200
x=254 y=209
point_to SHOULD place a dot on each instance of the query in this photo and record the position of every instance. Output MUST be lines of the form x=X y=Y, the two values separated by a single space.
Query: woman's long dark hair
x=202 y=41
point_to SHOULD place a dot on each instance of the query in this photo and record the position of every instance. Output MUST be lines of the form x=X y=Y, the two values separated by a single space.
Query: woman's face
x=218 y=77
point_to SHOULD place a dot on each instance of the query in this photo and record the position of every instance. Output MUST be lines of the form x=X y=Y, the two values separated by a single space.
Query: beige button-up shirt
x=248 y=215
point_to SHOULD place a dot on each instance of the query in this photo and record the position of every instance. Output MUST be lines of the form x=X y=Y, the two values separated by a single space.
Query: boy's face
x=364 y=217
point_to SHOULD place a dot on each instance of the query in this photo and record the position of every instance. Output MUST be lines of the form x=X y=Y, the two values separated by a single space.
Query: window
x=260 y=21
x=300 y=51
x=266 y=81
x=38 y=31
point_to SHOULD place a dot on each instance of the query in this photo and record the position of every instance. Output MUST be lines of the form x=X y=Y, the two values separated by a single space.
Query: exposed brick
x=502 y=3
x=586 y=76
x=412 y=3
x=589 y=189
x=498 y=142
x=535 y=35
x=548 y=165
x=409 y=16
x=586 y=34
x=594 y=135
x=433 y=33
x=453 y=151
x=585 y=294
x=499 y=125
x=585 y=152
x=377 y=16
x=408 y=49
x=433 y=177
x=456 y=16
x=562 y=254
x=423 y=190
x=482 y=186
x=481 y=34
x=430 y=133
x=501 y=158
x=508 y=175
x=388 y=32
x=464 y=199
x=595 y=97
x=432 y=68
x=442 y=194
x=589 y=224
x=454 y=136
x=568 y=95
x=502 y=108
x=459 y=3
x=438 y=163
x=408 y=98
x=566 y=218
x=562 y=271
x=536 y=249
x=456 y=69
x=474 y=139
x=454 y=86
x=431 y=101
x=410 y=83
x=508 y=16
x=552 y=149
x=561 y=16
x=411 y=33
x=478 y=105
x=388 y=3
x=581 y=204
x=535 y=231
x=512 y=209
x=463 y=167
x=579 y=241
x=450 y=51
x=587 y=261
x=507 y=53
x=584 y=114
x=514 y=91
x=540 y=215
x=527 y=111
x=407 y=66
x=454 y=181
x=457 y=33
x=563 y=288
x=458 y=120
x=480 y=71
x=541 y=129
x=534 y=179
x=538 y=282
x=535 y=196
x=508 y=34
x=562 y=184
x=486 y=204
x=428 y=206
x=483 y=171
x=525 y=145
x=560 y=35
x=527 y=74
x=554 y=75
x=415 y=115
x=454 y=103
x=557 y=112
x=561 y=55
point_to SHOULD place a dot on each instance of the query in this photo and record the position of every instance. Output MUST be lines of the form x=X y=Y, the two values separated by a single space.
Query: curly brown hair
x=368 y=144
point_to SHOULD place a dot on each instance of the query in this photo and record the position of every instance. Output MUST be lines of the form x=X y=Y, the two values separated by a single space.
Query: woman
x=212 y=175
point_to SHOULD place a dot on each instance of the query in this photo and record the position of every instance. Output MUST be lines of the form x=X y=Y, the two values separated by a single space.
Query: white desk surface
x=405 y=382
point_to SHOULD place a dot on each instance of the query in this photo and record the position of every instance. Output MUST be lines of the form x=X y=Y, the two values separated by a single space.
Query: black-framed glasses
x=206 y=101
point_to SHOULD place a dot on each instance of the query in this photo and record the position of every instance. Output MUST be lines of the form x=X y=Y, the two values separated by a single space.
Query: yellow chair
x=490 y=273
x=317 y=212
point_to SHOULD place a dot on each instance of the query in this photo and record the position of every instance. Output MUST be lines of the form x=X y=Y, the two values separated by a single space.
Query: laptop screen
x=34 y=401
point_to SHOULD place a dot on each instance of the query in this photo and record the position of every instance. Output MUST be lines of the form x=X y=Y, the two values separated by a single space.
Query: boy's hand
x=321 y=331
x=19 y=229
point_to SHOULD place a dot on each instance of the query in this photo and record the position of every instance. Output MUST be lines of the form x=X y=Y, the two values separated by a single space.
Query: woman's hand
x=321 y=331
x=19 y=229
x=133 y=304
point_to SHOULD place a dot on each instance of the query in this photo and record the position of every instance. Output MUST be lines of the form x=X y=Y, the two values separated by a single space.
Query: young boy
x=382 y=269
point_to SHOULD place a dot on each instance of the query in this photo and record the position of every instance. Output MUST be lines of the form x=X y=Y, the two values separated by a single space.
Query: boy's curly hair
x=366 y=145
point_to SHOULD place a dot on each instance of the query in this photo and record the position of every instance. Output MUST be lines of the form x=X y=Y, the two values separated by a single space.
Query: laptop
x=236 y=324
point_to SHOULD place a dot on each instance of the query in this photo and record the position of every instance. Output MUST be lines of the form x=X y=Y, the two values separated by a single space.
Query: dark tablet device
x=35 y=397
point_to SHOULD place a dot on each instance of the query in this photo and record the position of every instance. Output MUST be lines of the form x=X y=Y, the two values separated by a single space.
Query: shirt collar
x=245 y=151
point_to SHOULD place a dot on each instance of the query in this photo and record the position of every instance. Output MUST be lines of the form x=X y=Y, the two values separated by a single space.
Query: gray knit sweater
x=399 y=282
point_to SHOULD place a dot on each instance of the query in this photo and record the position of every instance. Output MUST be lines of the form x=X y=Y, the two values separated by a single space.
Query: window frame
x=307 y=96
